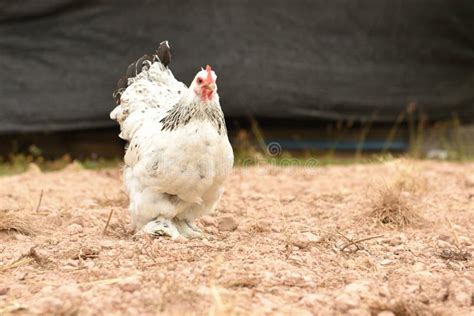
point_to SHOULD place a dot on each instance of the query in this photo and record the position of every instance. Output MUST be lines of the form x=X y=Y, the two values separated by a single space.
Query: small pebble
x=72 y=263
x=265 y=225
x=206 y=242
x=357 y=288
x=128 y=253
x=345 y=302
x=20 y=276
x=465 y=241
x=130 y=284
x=394 y=242
x=211 y=230
x=313 y=299
x=443 y=244
x=74 y=229
x=276 y=229
x=208 y=220
x=181 y=239
x=70 y=291
x=89 y=263
x=227 y=223
x=304 y=240
x=4 y=290
x=444 y=237
x=418 y=266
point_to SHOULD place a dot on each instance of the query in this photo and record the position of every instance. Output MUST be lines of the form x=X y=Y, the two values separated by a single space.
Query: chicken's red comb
x=209 y=74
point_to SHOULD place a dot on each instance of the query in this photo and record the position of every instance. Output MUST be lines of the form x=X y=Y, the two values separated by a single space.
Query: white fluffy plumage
x=178 y=153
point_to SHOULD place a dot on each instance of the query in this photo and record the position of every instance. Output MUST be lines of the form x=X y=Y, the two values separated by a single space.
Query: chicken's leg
x=187 y=228
x=161 y=227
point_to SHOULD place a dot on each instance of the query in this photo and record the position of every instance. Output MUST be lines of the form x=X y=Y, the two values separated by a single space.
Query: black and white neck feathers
x=184 y=113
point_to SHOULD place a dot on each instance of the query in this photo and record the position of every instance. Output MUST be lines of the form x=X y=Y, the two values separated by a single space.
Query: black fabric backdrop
x=338 y=59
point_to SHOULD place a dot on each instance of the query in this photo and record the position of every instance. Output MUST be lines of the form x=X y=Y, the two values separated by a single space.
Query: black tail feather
x=162 y=54
x=137 y=66
x=121 y=86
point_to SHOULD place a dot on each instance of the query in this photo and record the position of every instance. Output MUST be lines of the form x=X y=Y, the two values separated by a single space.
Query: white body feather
x=178 y=173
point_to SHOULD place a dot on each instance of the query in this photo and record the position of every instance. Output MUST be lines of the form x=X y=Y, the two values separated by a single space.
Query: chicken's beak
x=210 y=86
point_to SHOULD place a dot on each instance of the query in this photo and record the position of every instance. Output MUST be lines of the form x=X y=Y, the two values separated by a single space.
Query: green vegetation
x=449 y=138
x=17 y=163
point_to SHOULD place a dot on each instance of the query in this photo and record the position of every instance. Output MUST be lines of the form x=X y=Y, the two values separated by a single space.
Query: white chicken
x=178 y=154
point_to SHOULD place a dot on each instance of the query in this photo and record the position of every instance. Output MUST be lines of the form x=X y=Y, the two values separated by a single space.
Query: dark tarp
x=352 y=59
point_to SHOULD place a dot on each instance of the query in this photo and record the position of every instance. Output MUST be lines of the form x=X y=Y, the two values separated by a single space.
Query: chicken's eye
x=199 y=80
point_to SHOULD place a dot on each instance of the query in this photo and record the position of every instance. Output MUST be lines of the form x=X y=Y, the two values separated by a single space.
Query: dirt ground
x=389 y=238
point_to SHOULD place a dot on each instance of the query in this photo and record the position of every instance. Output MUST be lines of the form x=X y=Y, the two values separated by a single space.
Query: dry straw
x=11 y=221
x=394 y=201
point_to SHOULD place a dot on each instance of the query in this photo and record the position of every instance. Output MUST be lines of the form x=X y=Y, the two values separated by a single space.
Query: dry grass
x=393 y=203
x=392 y=207
x=409 y=177
x=10 y=221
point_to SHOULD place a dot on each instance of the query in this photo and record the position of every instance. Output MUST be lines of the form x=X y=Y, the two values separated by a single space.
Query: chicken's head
x=204 y=84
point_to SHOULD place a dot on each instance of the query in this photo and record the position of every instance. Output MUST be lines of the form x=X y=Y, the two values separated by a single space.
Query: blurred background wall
x=340 y=75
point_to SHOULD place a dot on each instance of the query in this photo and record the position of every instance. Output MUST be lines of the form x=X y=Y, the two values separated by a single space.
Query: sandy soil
x=283 y=241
